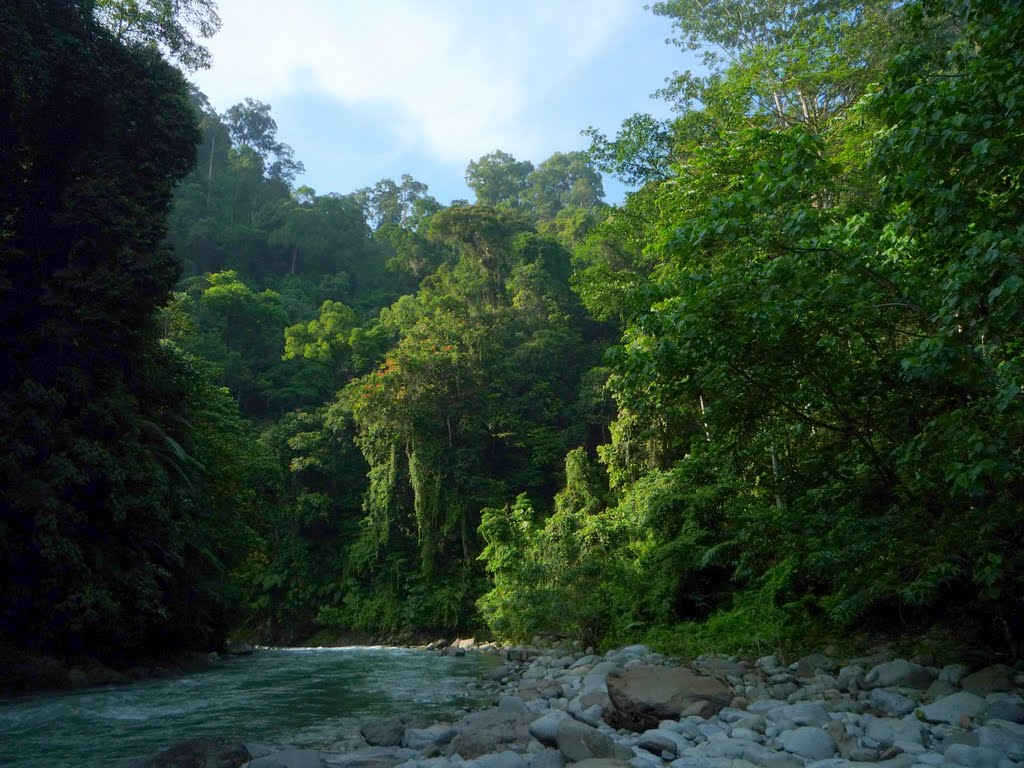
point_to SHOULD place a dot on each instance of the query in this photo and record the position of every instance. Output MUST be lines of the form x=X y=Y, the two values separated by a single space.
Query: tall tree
x=174 y=25
x=498 y=179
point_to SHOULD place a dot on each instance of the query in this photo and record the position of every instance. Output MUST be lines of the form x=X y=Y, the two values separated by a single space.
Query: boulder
x=661 y=740
x=545 y=729
x=1004 y=736
x=578 y=741
x=220 y=752
x=994 y=679
x=898 y=673
x=1004 y=706
x=953 y=709
x=425 y=738
x=890 y=702
x=387 y=732
x=492 y=730
x=287 y=758
x=810 y=743
x=646 y=695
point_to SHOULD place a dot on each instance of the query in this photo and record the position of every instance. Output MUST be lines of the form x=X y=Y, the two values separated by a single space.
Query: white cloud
x=459 y=77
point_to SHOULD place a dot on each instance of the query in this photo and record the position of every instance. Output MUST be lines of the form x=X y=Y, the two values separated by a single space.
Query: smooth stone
x=371 y=757
x=937 y=690
x=972 y=757
x=692 y=761
x=505 y=759
x=578 y=741
x=851 y=678
x=423 y=738
x=994 y=679
x=200 y=751
x=953 y=673
x=887 y=731
x=288 y=758
x=811 y=664
x=806 y=713
x=660 y=740
x=645 y=695
x=952 y=709
x=898 y=673
x=751 y=752
x=547 y=758
x=764 y=706
x=545 y=729
x=491 y=730
x=892 y=703
x=1004 y=736
x=1004 y=706
x=808 y=742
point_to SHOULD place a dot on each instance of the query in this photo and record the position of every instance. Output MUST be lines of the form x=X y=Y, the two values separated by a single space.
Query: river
x=302 y=696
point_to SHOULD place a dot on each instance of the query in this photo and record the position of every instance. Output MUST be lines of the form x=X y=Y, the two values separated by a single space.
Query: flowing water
x=306 y=696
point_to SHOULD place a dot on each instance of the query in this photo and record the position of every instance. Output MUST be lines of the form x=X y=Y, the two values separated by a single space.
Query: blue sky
x=366 y=91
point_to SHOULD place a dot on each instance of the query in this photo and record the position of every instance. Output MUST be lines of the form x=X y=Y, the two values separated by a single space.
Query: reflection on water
x=304 y=696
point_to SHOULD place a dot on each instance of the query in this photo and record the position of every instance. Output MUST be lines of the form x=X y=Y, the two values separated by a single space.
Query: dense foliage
x=114 y=535
x=774 y=395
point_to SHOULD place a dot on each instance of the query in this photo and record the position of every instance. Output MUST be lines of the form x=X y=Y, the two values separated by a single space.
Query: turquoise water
x=307 y=696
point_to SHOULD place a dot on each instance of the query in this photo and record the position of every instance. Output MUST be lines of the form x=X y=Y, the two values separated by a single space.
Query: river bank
x=631 y=707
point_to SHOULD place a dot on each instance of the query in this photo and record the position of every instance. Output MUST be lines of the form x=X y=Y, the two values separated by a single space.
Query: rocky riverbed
x=633 y=708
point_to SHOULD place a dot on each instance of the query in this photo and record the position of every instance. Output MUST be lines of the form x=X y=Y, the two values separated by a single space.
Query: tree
x=253 y=129
x=564 y=180
x=324 y=340
x=403 y=205
x=498 y=179
x=485 y=235
x=171 y=24
x=796 y=62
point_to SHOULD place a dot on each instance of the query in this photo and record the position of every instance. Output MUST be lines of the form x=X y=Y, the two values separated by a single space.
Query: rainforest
x=771 y=399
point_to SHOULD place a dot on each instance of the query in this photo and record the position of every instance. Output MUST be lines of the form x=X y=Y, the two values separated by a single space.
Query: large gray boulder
x=389 y=731
x=545 y=728
x=953 y=709
x=198 y=753
x=578 y=741
x=810 y=743
x=898 y=673
x=994 y=679
x=424 y=738
x=645 y=695
x=492 y=730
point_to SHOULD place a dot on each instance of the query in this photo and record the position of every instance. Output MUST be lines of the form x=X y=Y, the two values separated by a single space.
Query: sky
x=367 y=90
